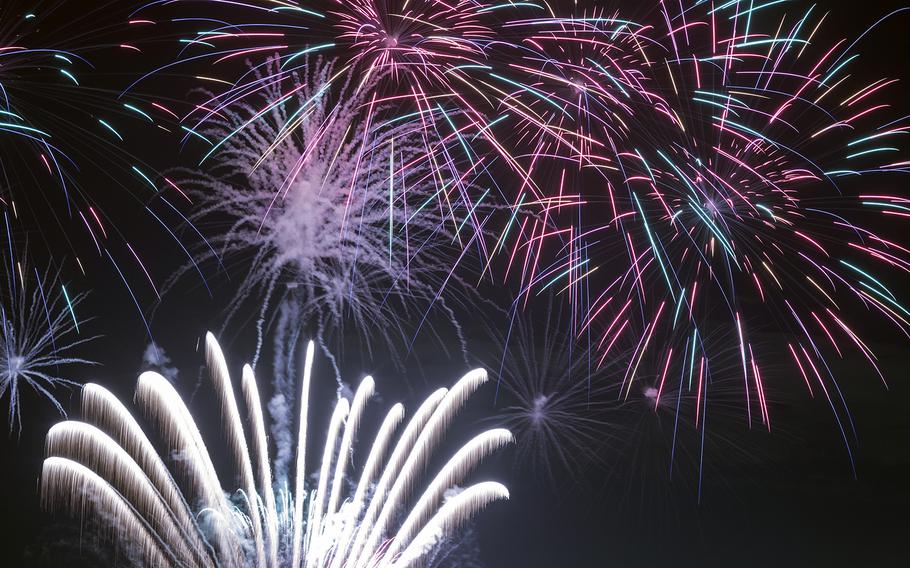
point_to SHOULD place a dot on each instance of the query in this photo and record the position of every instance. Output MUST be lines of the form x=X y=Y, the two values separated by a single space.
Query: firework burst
x=182 y=514
x=681 y=428
x=32 y=78
x=69 y=185
x=551 y=395
x=339 y=231
x=40 y=334
x=487 y=87
x=409 y=61
x=735 y=210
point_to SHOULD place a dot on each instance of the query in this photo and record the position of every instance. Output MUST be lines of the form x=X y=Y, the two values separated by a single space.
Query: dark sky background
x=789 y=499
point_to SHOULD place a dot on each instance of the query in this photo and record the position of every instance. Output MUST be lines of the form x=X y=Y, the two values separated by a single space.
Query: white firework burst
x=343 y=220
x=107 y=469
x=39 y=330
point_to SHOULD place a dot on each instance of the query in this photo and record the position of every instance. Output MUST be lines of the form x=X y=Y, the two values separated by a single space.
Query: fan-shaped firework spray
x=107 y=469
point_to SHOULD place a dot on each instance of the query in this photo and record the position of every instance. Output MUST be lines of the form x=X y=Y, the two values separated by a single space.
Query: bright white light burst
x=176 y=510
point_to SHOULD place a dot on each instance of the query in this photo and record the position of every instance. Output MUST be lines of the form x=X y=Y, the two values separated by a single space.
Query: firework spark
x=183 y=514
x=40 y=333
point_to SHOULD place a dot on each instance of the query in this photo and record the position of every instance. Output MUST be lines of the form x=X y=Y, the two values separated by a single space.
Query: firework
x=576 y=86
x=460 y=550
x=680 y=430
x=551 y=395
x=182 y=513
x=32 y=77
x=734 y=210
x=40 y=332
x=487 y=88
x=341 y=232
x=410 y=62
x=69 y=184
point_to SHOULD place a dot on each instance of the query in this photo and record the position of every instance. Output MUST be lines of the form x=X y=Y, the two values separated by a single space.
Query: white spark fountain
x=107 y=469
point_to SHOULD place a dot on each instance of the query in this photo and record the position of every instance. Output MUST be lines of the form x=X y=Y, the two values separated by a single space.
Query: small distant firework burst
x=344 y=232
x=177 y=512
x=680 y=428
x=551 y=396
x=40 y=335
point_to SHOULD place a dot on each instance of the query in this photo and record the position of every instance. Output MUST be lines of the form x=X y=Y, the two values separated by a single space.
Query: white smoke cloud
x=154 y=358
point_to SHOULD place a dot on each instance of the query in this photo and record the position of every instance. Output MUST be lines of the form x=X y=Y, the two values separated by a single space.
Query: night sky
x=784 y=498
